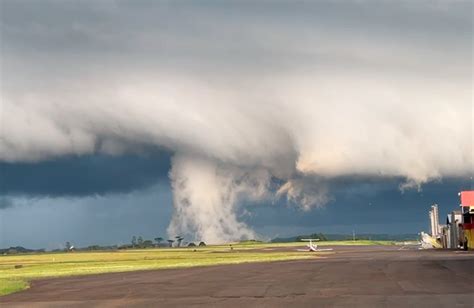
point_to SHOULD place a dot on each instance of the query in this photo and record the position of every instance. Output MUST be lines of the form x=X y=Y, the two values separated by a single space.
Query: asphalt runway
x=385 y=276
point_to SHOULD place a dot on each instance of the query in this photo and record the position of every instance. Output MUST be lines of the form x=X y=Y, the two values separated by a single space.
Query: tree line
x=138 y=242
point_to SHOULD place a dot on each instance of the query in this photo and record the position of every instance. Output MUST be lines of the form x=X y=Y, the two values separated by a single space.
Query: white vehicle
x=313 y=247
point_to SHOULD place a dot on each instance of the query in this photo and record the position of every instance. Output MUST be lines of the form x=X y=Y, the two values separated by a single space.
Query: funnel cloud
x=269 y=103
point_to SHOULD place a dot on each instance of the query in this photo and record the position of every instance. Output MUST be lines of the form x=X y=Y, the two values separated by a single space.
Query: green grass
x=254 y=245
x=47 y=265
x=12 y=285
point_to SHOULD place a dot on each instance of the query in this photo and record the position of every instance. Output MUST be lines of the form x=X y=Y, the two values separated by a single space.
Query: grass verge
x=16 y=271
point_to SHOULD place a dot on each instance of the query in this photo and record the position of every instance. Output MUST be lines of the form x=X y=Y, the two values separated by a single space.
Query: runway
x=355 y=276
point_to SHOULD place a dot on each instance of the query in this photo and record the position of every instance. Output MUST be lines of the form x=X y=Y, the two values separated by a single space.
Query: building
x=467 y=223
x=439 y=233
x=434 y=219
x=459 y=229
x=453 y=230
x=454 y=223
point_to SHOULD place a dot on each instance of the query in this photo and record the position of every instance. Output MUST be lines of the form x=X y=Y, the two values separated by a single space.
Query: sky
x=223 y=121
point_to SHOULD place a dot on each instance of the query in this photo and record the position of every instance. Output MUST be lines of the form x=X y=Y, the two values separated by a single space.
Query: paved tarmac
x=393 y=276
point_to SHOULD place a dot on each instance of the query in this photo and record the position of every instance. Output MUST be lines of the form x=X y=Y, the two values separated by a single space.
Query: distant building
x=459 y=229
x=454 y=231
x=437 y=239
x=434 y=219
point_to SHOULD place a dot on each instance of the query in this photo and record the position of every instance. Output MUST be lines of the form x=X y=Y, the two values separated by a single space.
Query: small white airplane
x=313 y=247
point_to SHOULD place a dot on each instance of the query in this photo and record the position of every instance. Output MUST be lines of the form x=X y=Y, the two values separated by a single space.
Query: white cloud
x=288 y=97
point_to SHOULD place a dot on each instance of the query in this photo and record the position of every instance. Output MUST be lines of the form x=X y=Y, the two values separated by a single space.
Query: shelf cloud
x=265 y=103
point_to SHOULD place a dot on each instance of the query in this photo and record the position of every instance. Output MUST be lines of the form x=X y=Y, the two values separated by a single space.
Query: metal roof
x=467 y=198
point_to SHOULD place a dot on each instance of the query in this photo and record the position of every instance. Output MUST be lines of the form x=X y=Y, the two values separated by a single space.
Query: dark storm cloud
x=82 y=175
x=5 y=202
x=357 y=201
x=91 y=220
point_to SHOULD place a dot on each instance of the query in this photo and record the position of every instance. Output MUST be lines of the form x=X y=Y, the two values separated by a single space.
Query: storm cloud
x=244 y=95
x=77 y=176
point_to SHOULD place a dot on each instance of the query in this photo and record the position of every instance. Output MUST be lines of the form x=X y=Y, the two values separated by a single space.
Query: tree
x=147 y=243
x=191 y=244
x=322 y=237
x=171 y=242
x=68 y=246
x=202 y=244
x=140 y=241
x=158 y=241
x=134 y=241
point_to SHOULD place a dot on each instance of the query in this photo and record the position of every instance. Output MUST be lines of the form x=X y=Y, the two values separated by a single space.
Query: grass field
x=253 y=245
x=46 y=265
